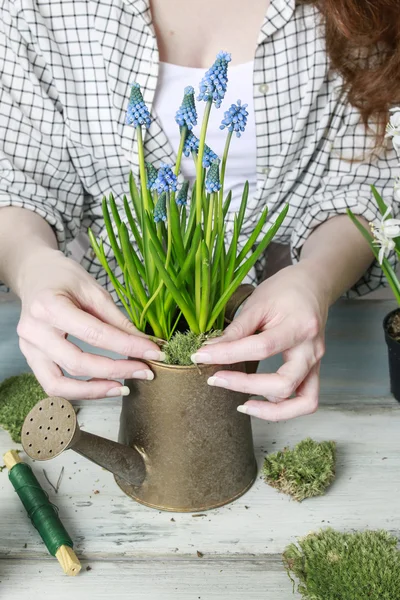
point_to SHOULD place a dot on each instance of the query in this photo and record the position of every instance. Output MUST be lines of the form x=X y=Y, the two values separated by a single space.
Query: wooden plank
x=263 y=522
x=142 y=580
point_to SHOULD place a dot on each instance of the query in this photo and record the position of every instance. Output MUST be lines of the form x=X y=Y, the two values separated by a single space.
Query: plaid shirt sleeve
x=346 y=182
x=36 y=172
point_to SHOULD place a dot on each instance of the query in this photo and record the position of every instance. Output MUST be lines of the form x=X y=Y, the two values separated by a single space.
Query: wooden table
x=130 y=551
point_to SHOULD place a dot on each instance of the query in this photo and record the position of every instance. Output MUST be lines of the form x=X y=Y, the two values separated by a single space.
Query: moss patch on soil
x=18 y=395
x=330 y=565
x=181 y=346
x=394 y=327
x=303 y=472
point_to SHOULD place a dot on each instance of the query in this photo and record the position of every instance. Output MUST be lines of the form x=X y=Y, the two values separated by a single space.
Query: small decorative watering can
x=182 y=444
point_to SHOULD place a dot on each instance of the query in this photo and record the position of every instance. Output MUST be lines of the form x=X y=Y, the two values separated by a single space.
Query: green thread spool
x=43 y=514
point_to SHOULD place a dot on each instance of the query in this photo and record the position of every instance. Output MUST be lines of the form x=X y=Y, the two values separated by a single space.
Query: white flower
x=389 y=228
x=385 y=245
x=396 y=189
x=384 y=234
x=393 y=127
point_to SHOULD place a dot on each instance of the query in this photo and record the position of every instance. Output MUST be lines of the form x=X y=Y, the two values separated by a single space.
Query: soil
x=394 y=326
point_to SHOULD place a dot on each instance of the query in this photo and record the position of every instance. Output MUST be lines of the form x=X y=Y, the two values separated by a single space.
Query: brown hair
x=363 y=45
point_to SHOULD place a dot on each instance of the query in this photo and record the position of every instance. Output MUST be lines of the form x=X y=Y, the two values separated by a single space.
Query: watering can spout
x=51 y=427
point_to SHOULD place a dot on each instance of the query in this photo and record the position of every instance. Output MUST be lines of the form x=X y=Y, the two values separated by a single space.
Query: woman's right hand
x=60 y=298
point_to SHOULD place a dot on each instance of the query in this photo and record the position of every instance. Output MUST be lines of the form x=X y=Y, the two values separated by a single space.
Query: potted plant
x=384 y=239
x=178 y=276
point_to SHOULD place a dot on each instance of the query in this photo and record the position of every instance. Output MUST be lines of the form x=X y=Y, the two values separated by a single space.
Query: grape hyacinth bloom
x=160 y=209
x=192 y=145
x=166 y=180
x=137 y=113
x=181 y=198
x=151 y=175
x=186 y=113
x=212 y=178
x=213 y=84
x=235 y=119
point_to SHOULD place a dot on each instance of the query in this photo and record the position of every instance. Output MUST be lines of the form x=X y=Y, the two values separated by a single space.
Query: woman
x=65 y=75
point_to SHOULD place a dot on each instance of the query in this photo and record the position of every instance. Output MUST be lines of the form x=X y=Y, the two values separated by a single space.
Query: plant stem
x=142 y=169
x=199 y=166
x=199 y=192
x=223 y=165
x=180 y=150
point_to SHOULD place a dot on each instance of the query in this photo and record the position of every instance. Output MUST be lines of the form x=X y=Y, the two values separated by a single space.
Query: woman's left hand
x=289 y=312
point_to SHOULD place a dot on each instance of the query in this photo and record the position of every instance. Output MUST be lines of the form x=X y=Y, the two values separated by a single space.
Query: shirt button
x=263 y=88
x=266 y=170
x=92 y=254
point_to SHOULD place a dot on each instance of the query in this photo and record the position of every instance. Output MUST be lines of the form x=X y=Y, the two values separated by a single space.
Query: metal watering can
x=182 y=445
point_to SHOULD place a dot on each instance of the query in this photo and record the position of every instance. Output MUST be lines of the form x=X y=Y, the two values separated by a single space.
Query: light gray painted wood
x=139 y=552
x=141 y=580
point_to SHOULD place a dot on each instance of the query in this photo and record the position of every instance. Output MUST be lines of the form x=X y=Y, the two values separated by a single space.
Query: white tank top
x=241 y=165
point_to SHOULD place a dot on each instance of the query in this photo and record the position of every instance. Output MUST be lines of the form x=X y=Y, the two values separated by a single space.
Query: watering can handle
x=238 y=297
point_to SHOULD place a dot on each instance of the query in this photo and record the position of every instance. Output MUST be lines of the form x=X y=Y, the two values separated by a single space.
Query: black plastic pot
x=394 y=356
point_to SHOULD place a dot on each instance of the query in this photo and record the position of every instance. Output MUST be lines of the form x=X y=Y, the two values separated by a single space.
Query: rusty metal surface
x=198 y=449
x=51 y=427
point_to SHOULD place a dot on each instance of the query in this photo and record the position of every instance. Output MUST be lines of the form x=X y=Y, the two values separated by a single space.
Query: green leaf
x=114 y=211
x=385 y=266
x=216 y=259
x=379 y=200
x=253 y=238
x=187 y=310
x=111 y=236
x=242 y=271
x=192 y=219
x=205 y=286
x=133 y=226
x=135 y=196
x=131 y=265
x=179 y=250
x=231 y=257
x=120 y=290
x=227 y=203
x=243 y=205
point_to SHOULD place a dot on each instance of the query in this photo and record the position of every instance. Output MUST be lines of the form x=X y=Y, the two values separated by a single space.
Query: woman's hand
x=289 y=312
x=60 y=298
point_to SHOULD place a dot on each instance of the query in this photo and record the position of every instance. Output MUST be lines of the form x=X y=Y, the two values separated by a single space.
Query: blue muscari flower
x=151 y=175
x=213 y=84
x=137 y=112
x=192 y=144
x=186 y=114
x=212 y=178
x=166 y=180
x=160 y=209
x=181 y=198
x=235 y=119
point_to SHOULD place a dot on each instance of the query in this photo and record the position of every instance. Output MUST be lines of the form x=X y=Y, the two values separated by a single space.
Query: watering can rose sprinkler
x=182 y=444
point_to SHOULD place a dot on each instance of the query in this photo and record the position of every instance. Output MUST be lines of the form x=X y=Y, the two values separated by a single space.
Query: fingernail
x=143 y=374
x=252 y=412
x=119 y=391
x=217 y=381
x=213 y=341
x=154 y=355
x=201 y=357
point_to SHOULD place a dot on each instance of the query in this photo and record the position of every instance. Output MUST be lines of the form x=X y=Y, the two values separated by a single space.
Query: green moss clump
x=18 y=395
x=303 y=472
x=181 y=346
x=345 y=566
